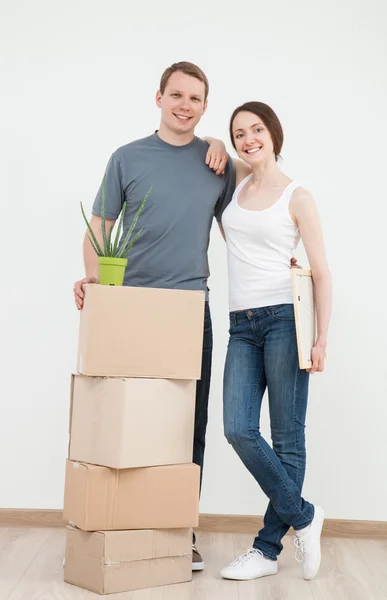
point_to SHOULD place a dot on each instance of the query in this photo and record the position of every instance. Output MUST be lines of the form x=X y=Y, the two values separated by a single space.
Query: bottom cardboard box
x=109 y=562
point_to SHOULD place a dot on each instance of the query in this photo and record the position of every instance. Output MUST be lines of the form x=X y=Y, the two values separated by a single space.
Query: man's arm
x=217 y=156
x=114 y=198
x=227 y=192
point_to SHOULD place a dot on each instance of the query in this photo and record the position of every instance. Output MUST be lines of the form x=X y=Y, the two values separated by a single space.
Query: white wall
x=78 y=80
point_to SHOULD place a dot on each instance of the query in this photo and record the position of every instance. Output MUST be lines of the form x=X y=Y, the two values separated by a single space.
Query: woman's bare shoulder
x=301 y=196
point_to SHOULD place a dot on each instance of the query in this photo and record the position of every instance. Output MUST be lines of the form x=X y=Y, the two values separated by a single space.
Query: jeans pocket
x=282 y=312
x=233 y=322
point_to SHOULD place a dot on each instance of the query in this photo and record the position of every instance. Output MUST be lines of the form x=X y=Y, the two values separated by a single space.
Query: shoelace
x=300 y=550
x=243 y=558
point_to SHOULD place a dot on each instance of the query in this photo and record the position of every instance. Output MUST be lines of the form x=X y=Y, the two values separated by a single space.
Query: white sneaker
x=250 y=565
x=308 y=545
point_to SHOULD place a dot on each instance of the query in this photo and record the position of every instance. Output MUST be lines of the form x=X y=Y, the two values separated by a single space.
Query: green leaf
x=125 y=249
x=109 y=241
x=97 y=247
x=117 y=238
x=103 y=216
x=133 y=225
x=94 y=246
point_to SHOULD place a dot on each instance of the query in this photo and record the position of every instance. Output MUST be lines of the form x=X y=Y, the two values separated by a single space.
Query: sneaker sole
x=249 y=578
x=198 y=566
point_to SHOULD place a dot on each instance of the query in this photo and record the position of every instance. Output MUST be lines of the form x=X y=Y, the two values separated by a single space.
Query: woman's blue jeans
x=262 y=353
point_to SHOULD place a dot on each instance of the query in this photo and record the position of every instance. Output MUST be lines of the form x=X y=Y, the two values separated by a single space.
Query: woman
x=262 y=226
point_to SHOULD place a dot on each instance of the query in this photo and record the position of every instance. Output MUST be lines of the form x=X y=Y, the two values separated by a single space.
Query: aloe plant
x=111 y=248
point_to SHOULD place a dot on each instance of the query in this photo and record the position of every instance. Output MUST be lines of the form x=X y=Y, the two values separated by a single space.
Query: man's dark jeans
x=202 y=394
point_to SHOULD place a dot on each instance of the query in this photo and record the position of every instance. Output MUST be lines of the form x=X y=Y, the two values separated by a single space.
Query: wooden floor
x=31 y=569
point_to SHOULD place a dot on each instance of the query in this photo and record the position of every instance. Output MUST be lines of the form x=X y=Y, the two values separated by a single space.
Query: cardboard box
x=119 y=561
x=124 y=423
x=141 y=332
x=100 y=498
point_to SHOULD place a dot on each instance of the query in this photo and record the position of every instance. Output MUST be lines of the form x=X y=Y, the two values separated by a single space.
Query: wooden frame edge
x=303 y=363
x=11 y=517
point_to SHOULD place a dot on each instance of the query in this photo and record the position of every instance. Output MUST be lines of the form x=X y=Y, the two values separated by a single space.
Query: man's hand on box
x=79 y=292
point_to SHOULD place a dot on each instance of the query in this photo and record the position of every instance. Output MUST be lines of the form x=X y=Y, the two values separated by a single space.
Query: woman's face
x=252 y=138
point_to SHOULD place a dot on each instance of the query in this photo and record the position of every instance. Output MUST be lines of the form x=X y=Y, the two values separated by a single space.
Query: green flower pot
x=111 y=270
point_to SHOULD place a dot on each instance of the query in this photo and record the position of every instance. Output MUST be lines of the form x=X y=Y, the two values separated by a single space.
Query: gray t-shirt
x=171 y=251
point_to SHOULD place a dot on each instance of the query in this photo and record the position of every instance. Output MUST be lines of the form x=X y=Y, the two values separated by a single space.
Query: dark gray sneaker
x=197 y=561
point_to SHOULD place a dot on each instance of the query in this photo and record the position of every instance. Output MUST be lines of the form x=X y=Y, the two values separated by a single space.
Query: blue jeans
x=262 y=352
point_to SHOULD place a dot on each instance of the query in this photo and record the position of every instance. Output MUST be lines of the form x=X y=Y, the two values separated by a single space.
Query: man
x=172 y=249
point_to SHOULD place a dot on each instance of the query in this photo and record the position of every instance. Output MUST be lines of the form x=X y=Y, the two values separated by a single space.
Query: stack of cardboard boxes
x=131 y=490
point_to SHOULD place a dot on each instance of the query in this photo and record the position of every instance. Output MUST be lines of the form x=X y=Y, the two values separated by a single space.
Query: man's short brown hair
x=187 y=68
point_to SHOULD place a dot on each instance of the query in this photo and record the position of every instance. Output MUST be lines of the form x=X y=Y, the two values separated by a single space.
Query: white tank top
x=260 y=244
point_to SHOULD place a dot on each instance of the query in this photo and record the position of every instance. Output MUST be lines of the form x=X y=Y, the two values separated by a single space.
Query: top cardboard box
x=141 y=332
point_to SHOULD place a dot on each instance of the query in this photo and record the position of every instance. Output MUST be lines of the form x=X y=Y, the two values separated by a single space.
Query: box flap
x=78 y=489
x=144 y=544
x=157 y=497
x=118 y=547
x=98 y=420
x=86 y=543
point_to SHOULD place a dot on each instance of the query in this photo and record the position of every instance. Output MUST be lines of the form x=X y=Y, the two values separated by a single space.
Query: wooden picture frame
x=305 y=314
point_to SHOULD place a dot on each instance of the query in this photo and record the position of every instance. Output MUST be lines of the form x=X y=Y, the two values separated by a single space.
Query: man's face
x=182 y=103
